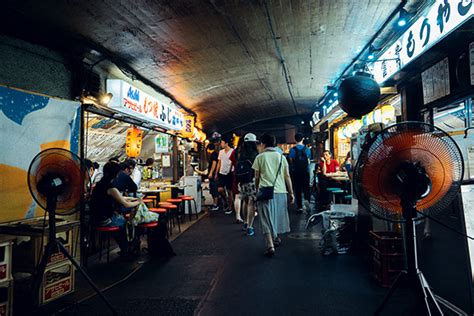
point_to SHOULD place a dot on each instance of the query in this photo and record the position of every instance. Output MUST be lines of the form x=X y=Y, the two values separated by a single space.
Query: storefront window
x=451 y=118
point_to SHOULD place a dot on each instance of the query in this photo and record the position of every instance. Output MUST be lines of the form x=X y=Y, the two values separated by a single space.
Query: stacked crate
x=387 y=249
x=58 y=279
x=6 y=279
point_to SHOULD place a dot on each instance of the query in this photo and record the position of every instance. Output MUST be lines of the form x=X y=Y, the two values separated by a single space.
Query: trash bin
x=338 y=229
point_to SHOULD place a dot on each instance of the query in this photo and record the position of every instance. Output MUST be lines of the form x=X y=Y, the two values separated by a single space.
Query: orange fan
x=56 y=183
x=375 y=176
x=57 y=170
x=408 y=169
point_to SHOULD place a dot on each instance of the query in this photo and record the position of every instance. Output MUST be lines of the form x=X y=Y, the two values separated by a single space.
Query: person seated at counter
x=106 y=200
x=328 y=165
x=124 y=182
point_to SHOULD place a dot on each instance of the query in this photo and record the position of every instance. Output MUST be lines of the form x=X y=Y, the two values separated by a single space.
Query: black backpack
x=244 y=172
x=300 y=163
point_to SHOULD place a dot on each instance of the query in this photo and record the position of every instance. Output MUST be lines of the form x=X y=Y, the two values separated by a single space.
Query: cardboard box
x=58 y=280
x=6 y=298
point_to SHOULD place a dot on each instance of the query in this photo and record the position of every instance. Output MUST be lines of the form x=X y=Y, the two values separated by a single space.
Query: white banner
x=131 y=101
x=441 y=19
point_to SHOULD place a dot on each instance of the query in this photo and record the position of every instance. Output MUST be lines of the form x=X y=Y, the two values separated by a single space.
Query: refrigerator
x=193 y=188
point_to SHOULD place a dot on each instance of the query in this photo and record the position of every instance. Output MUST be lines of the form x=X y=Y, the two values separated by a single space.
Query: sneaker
x=250 y=231
x=244 y=228
x=306 y=205
x=214 y=208
x=239 y=221
x=299 y=211
x=228 y=211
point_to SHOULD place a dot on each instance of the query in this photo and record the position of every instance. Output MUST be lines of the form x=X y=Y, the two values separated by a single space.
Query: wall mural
x=30 y=123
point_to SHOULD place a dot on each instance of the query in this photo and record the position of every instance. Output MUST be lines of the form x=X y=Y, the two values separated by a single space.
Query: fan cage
x=419 y=142
x=66 y=164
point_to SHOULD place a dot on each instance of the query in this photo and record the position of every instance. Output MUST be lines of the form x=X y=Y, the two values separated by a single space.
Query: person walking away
x=245 y=176
x=212 y=172
x=299 y=156
x=224 y=176
x=271 y=169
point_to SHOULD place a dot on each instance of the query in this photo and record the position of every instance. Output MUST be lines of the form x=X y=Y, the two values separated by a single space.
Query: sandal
x=270 y=252
x=277 y=242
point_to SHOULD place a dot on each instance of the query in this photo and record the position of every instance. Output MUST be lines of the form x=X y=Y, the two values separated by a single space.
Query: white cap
x=249 y=137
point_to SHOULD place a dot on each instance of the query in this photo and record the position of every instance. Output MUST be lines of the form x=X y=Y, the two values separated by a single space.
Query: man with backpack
x=300 y=156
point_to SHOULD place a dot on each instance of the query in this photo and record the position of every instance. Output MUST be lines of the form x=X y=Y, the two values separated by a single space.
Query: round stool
x=108 y=230
x=333 y=192
x=158 y=210
x=187 y=201
x=147 y=200
x=171 y=215
x=148 y=225
x=164 y=203
x=178 y=202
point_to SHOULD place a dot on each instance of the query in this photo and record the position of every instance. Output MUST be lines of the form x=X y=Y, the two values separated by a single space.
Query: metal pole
x=82 y=230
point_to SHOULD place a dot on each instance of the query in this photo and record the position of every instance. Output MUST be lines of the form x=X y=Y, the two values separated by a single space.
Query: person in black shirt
x=106 y=200
x=123 y=182
x=212 y=170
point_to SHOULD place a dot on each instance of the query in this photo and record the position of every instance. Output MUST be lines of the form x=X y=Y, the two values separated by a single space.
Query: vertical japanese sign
x=442 y=18
x=30 y=123
x=188 y=128
x=131 y=101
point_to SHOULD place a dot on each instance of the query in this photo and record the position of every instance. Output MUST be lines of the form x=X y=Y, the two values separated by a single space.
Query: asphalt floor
x=219 y=270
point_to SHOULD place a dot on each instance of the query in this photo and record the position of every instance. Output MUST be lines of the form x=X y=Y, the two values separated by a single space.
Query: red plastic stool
x=105 y=230
x=158 y=210
x=178 y=202
x=188 y=199
x=148 y=225
x=171 y=215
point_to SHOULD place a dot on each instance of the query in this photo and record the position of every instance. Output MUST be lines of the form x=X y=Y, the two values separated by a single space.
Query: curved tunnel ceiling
x=219 y=58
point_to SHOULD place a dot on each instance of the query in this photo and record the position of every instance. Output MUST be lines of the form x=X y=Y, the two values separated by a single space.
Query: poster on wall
x=30 y=123
x=162 y=143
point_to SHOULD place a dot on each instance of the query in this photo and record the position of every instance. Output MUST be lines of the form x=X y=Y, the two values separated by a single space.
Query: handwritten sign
x=442 y=18
x=129 y=100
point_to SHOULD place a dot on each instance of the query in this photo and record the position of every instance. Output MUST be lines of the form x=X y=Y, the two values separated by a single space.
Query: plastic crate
x=58 y=280
x=386 y=266
x=5 y=261
x=386 y=242
x=6 y=298
x=27 y=254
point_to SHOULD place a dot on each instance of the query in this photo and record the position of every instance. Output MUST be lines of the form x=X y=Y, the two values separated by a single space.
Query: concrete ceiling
x=219 y=58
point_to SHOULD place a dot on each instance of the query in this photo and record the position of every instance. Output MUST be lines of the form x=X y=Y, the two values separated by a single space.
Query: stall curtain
x=30 y=123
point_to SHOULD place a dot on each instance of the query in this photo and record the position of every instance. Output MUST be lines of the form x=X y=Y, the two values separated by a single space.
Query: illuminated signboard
x=131 y=101
x=443 y=17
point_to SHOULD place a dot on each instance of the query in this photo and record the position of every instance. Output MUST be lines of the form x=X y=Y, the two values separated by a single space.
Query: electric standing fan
x=57 y=184
x=406 y=170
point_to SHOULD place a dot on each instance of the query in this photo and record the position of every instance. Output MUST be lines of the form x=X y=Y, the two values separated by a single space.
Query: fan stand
x=412 y=277
x=54 y=244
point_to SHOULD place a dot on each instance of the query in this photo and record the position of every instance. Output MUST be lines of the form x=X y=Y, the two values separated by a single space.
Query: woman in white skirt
x=271 y=169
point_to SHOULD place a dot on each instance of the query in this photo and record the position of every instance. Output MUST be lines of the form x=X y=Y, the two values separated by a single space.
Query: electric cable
x=125 y=278
x=445 y=226
x=280 y=56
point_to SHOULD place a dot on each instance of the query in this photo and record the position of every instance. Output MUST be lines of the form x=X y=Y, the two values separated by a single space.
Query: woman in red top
x=327 y=164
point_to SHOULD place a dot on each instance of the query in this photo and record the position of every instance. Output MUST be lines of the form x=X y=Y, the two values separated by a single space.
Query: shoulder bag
x=266 y=193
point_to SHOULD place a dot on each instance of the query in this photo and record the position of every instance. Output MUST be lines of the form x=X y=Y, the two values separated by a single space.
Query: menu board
x=435 y=81
x=467 y=192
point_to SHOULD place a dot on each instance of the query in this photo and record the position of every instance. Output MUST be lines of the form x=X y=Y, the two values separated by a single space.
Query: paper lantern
x=357 y=125
x=378 y=116
x=345 y=132
x=133 y=142
x=340 y=134
x=370 y=118
x=388 y=113
x=358 y=95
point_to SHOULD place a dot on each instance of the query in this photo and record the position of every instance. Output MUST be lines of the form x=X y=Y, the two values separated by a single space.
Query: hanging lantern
x=370 y=118
x=345 y=131
x=358 y=95
x=133 y=142
x=388 y=113
x=364 y=120
x=378 y=116
x=340 y=134
x=357 y=125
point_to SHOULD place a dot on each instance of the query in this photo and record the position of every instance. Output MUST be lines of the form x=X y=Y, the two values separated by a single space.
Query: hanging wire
x=280 y=56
